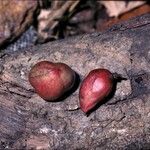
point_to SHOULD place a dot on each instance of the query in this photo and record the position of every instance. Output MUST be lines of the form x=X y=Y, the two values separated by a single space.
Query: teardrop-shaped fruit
x=94 y=88
x=51 y=80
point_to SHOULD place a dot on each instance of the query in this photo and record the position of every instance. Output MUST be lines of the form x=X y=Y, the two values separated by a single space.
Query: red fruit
x=51 y=80
x=94 y=88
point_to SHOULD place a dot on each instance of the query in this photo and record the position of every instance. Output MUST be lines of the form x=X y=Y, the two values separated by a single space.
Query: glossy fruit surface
x=95 y=87
x=51 y=80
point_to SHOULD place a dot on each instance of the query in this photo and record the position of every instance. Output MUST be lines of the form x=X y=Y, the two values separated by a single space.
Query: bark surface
x=121 y=122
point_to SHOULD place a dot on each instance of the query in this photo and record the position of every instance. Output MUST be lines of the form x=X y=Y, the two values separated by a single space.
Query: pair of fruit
x=52 y=80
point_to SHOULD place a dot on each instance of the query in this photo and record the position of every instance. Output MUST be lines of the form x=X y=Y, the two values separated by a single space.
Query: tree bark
x=121 y=122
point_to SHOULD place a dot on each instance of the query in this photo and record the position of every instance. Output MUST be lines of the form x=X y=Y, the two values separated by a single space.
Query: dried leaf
x=15 y=17
x=115 y=8
x=48 y=19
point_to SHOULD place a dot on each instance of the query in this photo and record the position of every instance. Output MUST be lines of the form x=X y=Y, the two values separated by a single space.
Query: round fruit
x=51 y=80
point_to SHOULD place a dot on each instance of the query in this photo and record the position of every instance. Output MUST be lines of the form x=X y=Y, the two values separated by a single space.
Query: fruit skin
x=94 y=88
x=51 y=80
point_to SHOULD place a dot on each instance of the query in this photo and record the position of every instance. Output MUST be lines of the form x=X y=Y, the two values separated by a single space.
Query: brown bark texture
x=121 y=122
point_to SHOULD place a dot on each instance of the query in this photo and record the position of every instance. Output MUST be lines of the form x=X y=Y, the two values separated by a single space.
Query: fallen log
x=123 y=122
